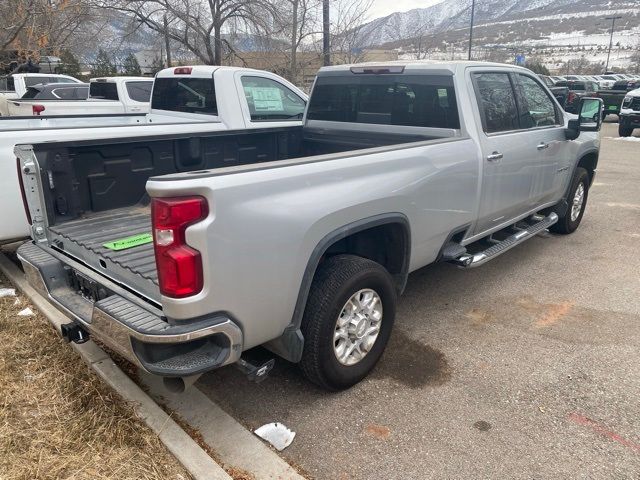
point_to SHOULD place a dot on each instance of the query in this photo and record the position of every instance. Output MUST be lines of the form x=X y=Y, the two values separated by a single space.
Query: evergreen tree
x=70 y=64
x=537 y=67
x=131 y=66
x=103 y=66
x=156 y=65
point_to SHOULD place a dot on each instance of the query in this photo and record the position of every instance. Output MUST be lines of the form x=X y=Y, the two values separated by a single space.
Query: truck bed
x=89 y=233
x=94 y=191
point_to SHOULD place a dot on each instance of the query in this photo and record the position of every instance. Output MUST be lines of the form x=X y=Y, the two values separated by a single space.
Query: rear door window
x=103 y=91
x=139 y=91
x=269 y=100
x=187 y=95
x=82 y=93
x=388 y=99
x=497 y=102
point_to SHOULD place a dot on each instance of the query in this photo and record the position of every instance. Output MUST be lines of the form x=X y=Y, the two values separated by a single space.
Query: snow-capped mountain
x=502 y=16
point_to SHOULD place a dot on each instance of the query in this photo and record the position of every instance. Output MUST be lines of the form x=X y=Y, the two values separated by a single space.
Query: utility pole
x=473 y=8
x=326 y=27
x=167 y=43
x=613 y=26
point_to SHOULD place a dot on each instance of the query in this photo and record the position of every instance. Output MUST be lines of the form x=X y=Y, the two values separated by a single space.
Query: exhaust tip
x=179 y=384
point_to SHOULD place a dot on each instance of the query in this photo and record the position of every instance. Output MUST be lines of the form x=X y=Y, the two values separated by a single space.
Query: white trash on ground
x=7 y=292
x=27 y=312
x=276 y=434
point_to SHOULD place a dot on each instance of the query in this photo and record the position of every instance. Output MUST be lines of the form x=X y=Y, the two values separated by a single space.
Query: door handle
x=494 y=157
x=542 y=146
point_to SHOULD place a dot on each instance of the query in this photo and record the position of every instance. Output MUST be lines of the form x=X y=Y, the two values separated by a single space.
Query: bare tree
x=30 y=26
x=348 y=18
x=195 y=24
x=422 y=43
x=304 y=24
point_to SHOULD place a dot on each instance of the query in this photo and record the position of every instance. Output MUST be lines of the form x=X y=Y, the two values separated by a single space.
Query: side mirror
x=589 y=118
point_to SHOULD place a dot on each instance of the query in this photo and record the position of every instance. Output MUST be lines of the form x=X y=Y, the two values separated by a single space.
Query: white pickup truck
x=110 y=95
x=185 y=101
x=15 y=86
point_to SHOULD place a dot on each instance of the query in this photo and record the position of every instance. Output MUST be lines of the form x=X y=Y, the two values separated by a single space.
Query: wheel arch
x=589 y=161
x=367 y=238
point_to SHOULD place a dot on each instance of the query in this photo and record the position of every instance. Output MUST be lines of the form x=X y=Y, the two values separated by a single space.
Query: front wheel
x=570 y=219
x=347 y=321
x=624 y=131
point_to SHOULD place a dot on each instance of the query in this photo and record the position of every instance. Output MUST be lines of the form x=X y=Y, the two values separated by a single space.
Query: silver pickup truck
x=183 y=252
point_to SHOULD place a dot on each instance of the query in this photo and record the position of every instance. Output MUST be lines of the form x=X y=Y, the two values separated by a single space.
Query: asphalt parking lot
x=525 y=368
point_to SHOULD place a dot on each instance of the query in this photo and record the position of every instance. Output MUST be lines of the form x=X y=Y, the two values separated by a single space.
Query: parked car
x=577 y=90
x=50 y=64
x=58 y=91
x=629 y=113
x=606 y=81
x=110 y=95
x=613 y=98
x=300 y=238
x=186 y=100
x=15 y=86
x=561 y=93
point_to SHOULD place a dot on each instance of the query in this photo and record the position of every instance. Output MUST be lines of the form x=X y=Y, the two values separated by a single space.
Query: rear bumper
x=119 y=320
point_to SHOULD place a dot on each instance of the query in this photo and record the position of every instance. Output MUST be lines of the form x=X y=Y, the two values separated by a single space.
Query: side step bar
x=475 y=260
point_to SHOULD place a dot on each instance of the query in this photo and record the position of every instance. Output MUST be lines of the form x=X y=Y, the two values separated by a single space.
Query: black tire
x=336 y=281
x=565 y=224
x=624 y=131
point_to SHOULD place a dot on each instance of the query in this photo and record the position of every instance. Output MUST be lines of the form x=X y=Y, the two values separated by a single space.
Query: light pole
x=473 y=8
x=326 y=25
x=613 y=26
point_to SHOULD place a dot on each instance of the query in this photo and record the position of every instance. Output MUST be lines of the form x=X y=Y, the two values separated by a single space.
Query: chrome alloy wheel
x=357 y=327
x=578 y=201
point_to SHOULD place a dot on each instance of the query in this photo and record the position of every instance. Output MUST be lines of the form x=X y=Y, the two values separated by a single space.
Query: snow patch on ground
x=627 y=139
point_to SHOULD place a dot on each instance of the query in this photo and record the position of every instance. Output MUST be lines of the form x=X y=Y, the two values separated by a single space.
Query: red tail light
x=37 y=109
x=179 y=265
x=182 y=70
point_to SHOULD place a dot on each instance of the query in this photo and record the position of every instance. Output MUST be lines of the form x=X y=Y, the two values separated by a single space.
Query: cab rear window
x=188 y=95
x=404 y=100
x=103 y=91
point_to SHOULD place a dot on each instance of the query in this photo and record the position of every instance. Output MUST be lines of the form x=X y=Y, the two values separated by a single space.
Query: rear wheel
x=624 y=131
x=570 y=219
x=347 y=321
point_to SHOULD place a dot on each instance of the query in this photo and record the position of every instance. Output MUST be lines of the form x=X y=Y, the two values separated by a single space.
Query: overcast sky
x=382 y=8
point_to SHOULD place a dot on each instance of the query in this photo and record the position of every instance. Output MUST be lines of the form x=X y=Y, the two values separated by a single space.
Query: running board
x=480 y=258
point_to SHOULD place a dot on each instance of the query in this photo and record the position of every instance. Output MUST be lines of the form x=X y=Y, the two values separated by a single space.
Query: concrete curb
x=192 y=457
x=234 y=444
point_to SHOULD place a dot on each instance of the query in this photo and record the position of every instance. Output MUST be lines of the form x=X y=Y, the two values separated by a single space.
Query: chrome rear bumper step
x=469 y=260
x=138 y=332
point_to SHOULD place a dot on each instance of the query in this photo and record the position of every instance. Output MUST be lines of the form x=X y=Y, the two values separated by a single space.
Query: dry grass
x=57 y=418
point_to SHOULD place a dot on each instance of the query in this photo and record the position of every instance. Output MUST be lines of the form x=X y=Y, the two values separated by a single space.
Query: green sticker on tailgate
x=129 y=242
